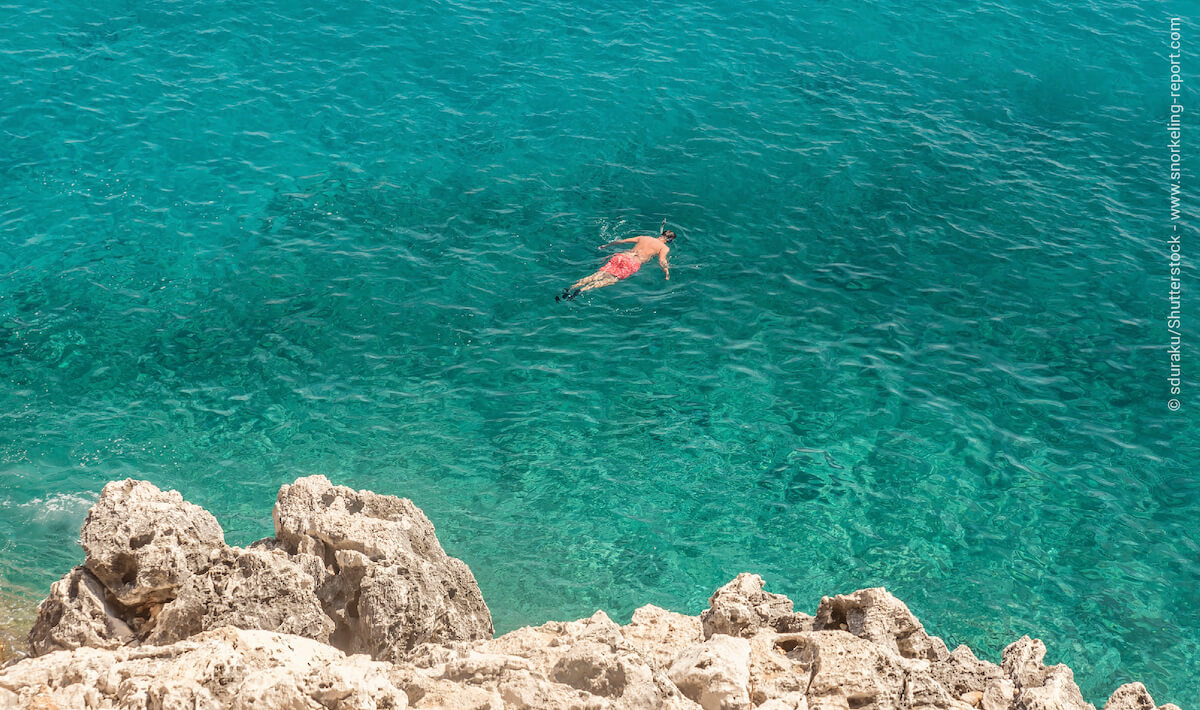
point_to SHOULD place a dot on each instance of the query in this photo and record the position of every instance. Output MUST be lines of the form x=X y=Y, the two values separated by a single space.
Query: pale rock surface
x=716 y=673
x=1021 y=661
x=923 y=692
x=77 y=614
x=142 y=543
x=659 y=636
x=790 y=701
x=845 y=670
x=1134 y=696
x=998 y=695
x=389 y=586
x=227 y=668
x=875 y=615
x=772 y=673
x=1131 y=696
x=585 y=664
x=249 y=589
x=1040 y=687
x=742 y=608
x=961 y=673
x=1057 y=692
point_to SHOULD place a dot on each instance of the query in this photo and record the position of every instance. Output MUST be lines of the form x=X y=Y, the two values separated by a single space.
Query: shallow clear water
x=913 y=336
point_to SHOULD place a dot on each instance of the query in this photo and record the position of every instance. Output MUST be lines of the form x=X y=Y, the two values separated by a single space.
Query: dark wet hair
x=668 y=235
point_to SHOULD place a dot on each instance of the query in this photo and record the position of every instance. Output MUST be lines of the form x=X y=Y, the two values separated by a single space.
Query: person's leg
x=582 y=285
x=606 y=279
x=588 y=279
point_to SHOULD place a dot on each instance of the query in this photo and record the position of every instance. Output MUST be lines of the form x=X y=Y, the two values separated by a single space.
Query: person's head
x=668 y=236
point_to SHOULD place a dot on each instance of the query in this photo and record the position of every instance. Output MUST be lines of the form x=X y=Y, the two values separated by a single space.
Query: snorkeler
x=622 y=266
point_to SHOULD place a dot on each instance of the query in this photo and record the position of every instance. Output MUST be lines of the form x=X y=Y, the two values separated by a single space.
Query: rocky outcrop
x=742 y=608
x=387 y=584
x=142 y=543
x=361 y=571
x=659 y=636
x=961 y=673
x=248 y=589
x=877 y=616
x=178 y=619
x=1131 y=696
x=1134 y=696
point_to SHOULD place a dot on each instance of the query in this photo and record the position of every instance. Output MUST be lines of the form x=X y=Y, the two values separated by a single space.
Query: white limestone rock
x=877 y=616
x=77 y=614
x=961 y=673
x=249 y=589
x=1131 y=696
x=742 y=608
x=586 y=664
x=716 y=673
x=998 y=695
x=226 y=668
x=845 y=670
x=142 y=543
x=1057 y=692
x=659 y=636
x=390 y=585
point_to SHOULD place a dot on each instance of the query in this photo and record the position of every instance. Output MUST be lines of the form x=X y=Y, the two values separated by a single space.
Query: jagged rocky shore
x=354 y=605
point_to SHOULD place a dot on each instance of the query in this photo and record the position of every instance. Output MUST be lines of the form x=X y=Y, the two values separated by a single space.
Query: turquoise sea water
x=914 y=334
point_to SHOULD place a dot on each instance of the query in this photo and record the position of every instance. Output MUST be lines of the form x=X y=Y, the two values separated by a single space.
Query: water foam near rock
x=354 y=604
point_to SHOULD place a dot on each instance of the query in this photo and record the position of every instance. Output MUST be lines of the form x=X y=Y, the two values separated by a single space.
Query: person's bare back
x=625 y=264
x=646 y=248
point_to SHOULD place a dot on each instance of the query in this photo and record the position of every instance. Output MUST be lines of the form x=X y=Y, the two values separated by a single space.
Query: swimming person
x=622 y=266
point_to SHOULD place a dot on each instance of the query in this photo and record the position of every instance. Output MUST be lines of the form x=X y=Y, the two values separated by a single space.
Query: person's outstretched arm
x=619 y=241
x=662 y=261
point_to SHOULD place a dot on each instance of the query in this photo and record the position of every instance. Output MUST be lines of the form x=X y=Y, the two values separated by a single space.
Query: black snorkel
x=663 y=229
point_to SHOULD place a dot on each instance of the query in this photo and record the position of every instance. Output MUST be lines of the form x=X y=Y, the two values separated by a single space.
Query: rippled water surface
x=913 y=336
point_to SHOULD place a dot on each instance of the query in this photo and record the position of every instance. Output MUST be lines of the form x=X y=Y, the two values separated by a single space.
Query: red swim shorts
x=622 y=266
